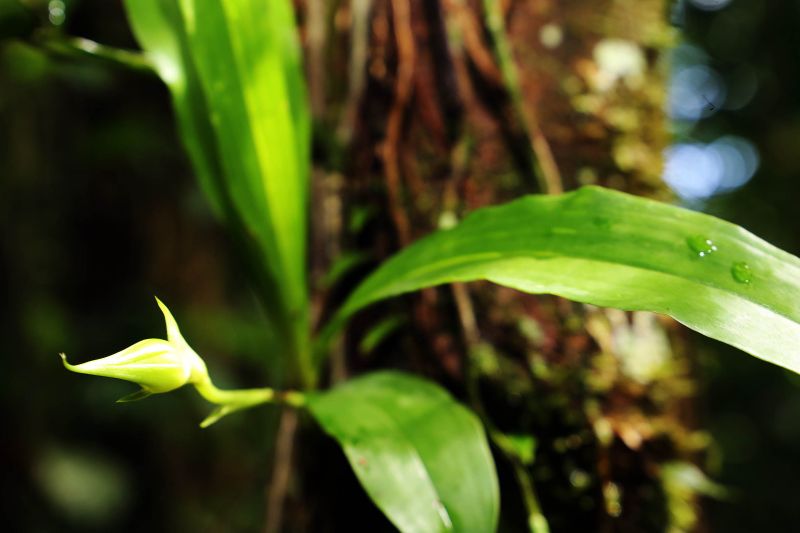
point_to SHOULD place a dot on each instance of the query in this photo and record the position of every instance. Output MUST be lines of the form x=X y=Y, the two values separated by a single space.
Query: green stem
x=230 y=401
x=537 y=523
x=249 y=397
x=305 y=359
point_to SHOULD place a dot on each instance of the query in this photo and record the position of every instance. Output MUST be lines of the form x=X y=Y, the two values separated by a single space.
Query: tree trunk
x=449 y=105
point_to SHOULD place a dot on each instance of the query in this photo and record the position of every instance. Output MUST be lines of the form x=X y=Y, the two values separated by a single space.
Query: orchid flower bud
x=164 y=365
x=156 y=365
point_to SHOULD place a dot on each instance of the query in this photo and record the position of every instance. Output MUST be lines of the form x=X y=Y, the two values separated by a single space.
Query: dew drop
x=701 y=245
x=742 y=272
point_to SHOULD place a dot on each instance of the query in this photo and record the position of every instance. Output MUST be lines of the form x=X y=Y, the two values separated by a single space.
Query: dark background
x=100 y=212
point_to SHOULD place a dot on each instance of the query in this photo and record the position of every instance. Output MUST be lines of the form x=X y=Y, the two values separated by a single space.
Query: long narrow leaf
x=615 y=250
x=235 y=74
x=421 y=457
x=159 y=27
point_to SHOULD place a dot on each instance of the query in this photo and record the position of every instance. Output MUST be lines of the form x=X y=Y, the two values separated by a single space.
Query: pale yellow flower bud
x=164 y=365
x=154 y=364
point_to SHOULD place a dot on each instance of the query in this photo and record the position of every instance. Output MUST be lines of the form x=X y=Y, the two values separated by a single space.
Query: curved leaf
x=421 y=457
x=615 y=250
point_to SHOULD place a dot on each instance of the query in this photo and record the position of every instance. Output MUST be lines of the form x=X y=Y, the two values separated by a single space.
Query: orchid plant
x=234 y=71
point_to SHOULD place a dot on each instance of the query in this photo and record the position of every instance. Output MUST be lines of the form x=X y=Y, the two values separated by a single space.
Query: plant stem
x=281 y=471
x=243 y=398
x=230 y=401
x=537 y=523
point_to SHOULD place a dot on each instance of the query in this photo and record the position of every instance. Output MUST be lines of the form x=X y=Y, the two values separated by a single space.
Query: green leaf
x=379 y=332
x=159 y=28
x=234 y=70
x=422 y=457
x=615 y=250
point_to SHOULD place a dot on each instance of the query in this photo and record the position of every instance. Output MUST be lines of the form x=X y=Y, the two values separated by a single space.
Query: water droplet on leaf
x=701 y=245
x=742 y=272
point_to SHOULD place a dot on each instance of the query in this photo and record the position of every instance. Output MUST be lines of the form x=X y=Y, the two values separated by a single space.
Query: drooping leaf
x=615 y=250
x=422 y=457
x=234 y=70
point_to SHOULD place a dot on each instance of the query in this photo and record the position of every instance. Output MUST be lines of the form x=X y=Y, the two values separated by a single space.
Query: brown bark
x=433 y=130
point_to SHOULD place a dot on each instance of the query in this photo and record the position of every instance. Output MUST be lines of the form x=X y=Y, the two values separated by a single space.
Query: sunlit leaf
x=615 y=250
x=421 y=457
x=235 y=74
